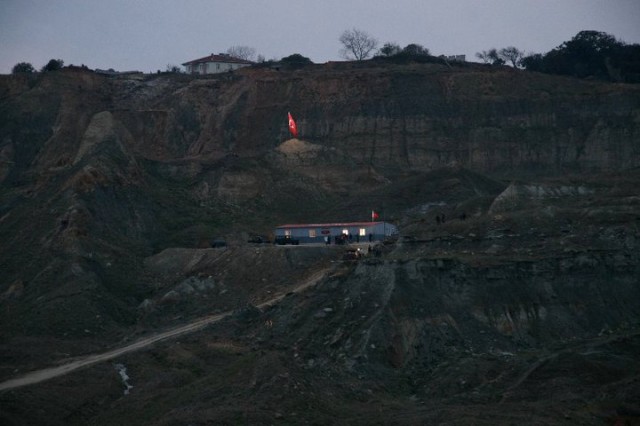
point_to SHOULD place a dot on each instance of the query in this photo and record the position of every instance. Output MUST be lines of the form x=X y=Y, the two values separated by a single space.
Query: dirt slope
x=510 y=295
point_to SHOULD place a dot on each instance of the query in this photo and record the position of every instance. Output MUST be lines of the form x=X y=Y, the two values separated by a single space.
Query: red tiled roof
x=328 y=225
x=219 y=58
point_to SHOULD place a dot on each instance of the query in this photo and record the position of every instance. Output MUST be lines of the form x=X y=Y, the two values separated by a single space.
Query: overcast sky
x=146 y=35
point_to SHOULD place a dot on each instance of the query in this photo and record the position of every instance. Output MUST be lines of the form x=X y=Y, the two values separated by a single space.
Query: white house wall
x=213 y=67
x=378 y=232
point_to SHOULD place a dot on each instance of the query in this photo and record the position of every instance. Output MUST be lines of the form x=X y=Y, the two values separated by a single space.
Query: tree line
x=26 y=67
x=590 y=54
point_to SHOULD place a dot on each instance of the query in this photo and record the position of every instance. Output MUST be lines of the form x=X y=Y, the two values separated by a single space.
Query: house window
x=363 y=232
x=287 y=232
x=312 y=233
x=217 y=66
x=345 y=232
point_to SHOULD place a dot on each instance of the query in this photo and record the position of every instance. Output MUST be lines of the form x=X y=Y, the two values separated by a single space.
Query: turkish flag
x=374 y=215
x=292 y=126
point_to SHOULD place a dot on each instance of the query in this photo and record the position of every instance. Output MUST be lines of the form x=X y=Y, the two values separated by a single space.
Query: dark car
x=259 y=239
x=284 y=240
x=218 y=242
x=341 y=239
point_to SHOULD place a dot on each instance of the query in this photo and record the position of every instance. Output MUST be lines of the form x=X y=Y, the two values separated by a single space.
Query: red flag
x=374 y=215
x=292 y=126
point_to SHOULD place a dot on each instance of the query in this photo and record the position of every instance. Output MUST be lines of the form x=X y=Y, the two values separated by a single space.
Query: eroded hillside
x=112 y=189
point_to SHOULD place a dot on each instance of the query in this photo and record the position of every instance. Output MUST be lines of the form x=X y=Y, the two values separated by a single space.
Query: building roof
x=328 y=225
x=222 y=57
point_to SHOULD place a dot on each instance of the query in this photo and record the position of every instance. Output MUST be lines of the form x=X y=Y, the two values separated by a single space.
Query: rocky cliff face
x=89 y=160
x=421 y=116
x=111 y=189
x=429 y=116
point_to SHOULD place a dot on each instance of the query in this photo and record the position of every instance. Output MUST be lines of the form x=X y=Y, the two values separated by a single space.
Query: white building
x=214 y=64
x=457 y=58
x=356 y=232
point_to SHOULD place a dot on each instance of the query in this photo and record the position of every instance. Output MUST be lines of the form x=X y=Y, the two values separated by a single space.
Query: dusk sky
x=147 y=35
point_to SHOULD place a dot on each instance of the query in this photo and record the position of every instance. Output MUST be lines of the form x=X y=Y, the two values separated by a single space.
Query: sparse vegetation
x=414 y=49
x=296 y=61
x=511 y=54
x=389 y=49
x=589 y=54
x=242 y=52
x=53 y=65
x=23 y=68
x=176 y=69
x=357 y=44
x=490 y=56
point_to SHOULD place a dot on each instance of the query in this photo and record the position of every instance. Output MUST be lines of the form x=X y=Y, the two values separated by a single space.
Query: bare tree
x=174 y=68
x=483 y=56
x=242 y=52
x=357 y=44
x=490 y=57
x=511 y=54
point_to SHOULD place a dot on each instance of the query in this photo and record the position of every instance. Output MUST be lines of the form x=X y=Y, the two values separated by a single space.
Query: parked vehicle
x=218 y=242
x=259 y=239
x=342 y=239
x=286 y=240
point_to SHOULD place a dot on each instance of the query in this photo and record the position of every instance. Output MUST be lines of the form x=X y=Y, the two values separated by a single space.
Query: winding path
x=89 y=360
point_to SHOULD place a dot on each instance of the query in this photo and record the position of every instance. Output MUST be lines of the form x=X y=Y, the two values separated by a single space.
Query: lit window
x=363 y=232
x=287 y=232
x=312 y=233
x=345 y=232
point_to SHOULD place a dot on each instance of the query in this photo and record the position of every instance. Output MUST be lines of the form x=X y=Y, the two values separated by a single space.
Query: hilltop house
x=456 y=58
x=214 y=64
x=354 y=231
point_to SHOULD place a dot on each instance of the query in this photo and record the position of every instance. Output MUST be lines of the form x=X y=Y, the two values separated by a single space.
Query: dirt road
x=52 y=372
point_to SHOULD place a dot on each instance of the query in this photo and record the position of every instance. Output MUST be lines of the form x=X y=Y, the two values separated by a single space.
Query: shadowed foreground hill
x=522 y=306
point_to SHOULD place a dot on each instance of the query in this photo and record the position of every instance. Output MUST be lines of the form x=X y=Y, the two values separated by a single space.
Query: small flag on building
x=374 y=215
x=292 y=126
